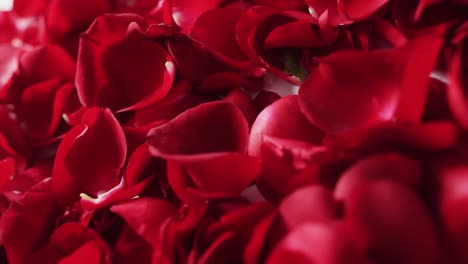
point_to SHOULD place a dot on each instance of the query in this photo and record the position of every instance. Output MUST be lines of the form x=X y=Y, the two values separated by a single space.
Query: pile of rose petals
x=235 y=131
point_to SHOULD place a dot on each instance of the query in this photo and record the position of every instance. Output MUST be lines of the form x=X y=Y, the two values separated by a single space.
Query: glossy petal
x=79 y=167
x=352 y=89
x=127 y=74
x=282 y=119
x=186 y=12
x=210 y=156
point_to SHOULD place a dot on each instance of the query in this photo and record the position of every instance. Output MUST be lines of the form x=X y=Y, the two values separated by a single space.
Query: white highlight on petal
x=275 y=84
x=16 y=42
x=6 y=5
x=12 y=116
x=440 y=76
x=170 y=66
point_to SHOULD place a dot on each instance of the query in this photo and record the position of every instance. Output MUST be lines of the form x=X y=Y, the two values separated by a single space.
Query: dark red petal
x=90 y=156
x=426 y=136
x=186 y=12
x=264 y=99
x=328 y=12
x=207 y=128
x=28 y=222
x=194 y=62
x=245 y=104
x=71 y=236
x=452 y=180
x=282 y=161
x=390 y=33
x=300 y=34
x=68 y=17
x=253 y=28
x=61 y=64
x=413 y=15
x=222 y=81
x=360 y=9
x=419 y=57
x=138 y=164
x=229 y=173
x=458 y=81
x=215 y=29
x=283 y=4
x=256 y=247
x=233 y=228
x=12 y=138
x=388 y=166
x=45 y=255
x=282 y=119
x=90 y=251
x=36 y=108
x=316 y=243
x=145 y=216
x=127 y=73
x=391 y=223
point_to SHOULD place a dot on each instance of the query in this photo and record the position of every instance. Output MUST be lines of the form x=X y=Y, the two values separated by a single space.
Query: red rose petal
x=308 y=204
x=245 y=104
x=128 y=73
x=328 y=11
x=60 y=64
x=71 y=17
x=211 y=156
x=426 y=136
x=388 y=166
x=90 y=156
x=8 y=66
x=145 y=216
x=300 y=34
x=360 y=9
x=69 y=237
x=186 y=12
x=283 y=4
x=228 y=173
x=36 y=108
x=356 y=89
x=264 y=99
x=316 y=243
x=391 y=223
x=28 y=222
x=452 y=179
x=233 y=229
x=194 y=62
x=180 y=98
x=207 y=128
x=458 y=82
x=222 y=81
x=282 y=119
x=215 y=29
x=12 y=139
x=90 y=251
x=26 y=8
